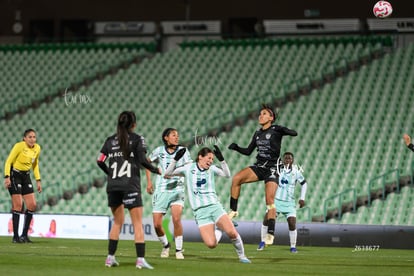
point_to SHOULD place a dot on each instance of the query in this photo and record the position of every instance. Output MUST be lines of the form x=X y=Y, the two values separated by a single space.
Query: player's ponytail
x=126 y=122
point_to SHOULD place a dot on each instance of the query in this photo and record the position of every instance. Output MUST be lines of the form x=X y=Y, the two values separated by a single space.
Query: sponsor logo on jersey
x=201 y=182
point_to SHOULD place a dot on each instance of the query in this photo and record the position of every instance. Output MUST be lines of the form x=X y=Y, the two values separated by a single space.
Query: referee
x=23 y=157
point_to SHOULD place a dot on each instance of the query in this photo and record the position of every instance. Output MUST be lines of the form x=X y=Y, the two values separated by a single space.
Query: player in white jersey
x=168 y=192
x=207 y=209
x=289 y=175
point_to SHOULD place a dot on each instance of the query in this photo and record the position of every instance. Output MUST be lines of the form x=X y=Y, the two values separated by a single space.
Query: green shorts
x=161 y=201
x=286 y=208
x=209 y=214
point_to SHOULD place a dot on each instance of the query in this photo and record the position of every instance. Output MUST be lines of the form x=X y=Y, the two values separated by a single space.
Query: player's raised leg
x=246 y=175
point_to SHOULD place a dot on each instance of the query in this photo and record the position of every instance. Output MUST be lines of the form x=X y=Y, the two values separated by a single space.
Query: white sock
x=238 y=245
x=263 y=232
x=163 y=240
x=292 y=237
x=179 y=243
x=218 y=233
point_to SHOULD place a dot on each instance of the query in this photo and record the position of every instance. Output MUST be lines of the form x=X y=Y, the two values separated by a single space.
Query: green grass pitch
x=87 y=257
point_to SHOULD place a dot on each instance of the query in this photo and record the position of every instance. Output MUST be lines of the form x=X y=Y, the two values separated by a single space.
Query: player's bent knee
x=211 y=245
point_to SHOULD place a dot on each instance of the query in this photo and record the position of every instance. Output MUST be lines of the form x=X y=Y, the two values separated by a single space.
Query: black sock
x=140 y=249
x=16 y=220
x=112 y=246
x=28 y=215
x=233 y=203
x=271 y=226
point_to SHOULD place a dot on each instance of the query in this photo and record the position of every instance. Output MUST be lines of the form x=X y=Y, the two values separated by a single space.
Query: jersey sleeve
x=300 y=178
x=250 y=147
x=17 y=148
x=102 y=158
x=140 y=157
x=172 y=170
x=153 y=156
x=224 y=171
x=185 y=159
x=36 y=169
x=287 y=131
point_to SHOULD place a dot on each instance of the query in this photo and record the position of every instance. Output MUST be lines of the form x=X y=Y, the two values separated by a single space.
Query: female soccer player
x=285 y=199
x=208 y=212
x=169 y=192
x=23 y=157
x=268 y=141
x=125 y=151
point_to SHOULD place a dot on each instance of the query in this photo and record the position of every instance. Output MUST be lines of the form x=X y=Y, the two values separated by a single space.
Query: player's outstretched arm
x=244 y=151
x=407 y=140
x=171 y=169
x=290 y=132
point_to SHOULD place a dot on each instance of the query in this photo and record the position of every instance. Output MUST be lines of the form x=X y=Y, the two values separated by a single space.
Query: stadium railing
x=340 y=198
x=383 y=184
x=305 y=214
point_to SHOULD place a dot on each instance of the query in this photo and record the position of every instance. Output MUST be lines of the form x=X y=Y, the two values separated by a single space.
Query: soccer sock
x=238 y=245
x=112 y=246
x=178 y=243
x=263 y=232
x=218 y=233
x=292 y=238
x=16 y=220
x=233 y=203
x=163 y=240
x=140 y=249
x=28 y=215
x=271 y=226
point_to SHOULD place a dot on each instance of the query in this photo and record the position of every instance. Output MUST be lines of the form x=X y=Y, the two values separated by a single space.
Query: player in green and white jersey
x=289 y=175
x=168 y=192
x=201 y=191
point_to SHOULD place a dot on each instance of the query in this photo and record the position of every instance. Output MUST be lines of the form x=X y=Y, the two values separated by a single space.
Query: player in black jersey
x=125 y=152
x=268 y=141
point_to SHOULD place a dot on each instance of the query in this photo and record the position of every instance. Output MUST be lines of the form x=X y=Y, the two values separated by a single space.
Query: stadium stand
x=336 y=93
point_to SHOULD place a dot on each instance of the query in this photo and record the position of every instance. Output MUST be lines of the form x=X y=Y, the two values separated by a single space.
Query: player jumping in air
x=268 y=141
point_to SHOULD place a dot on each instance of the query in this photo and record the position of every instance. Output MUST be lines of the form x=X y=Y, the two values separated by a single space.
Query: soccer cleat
x=142 y=263
x=25 y=239
x=293 y=250
x=165 y=253
x=232 y=214
x=261 y=246
x=179 y=255
x=244 y=260
x=110 y=261
x=269 y=239
x=16 y=240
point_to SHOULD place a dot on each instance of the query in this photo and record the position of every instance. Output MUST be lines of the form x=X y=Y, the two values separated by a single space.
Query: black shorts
x=266 y=173
x=129 y=199
x=21 y=184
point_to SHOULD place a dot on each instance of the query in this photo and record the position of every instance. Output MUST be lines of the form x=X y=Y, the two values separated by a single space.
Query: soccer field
x=86 y=257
